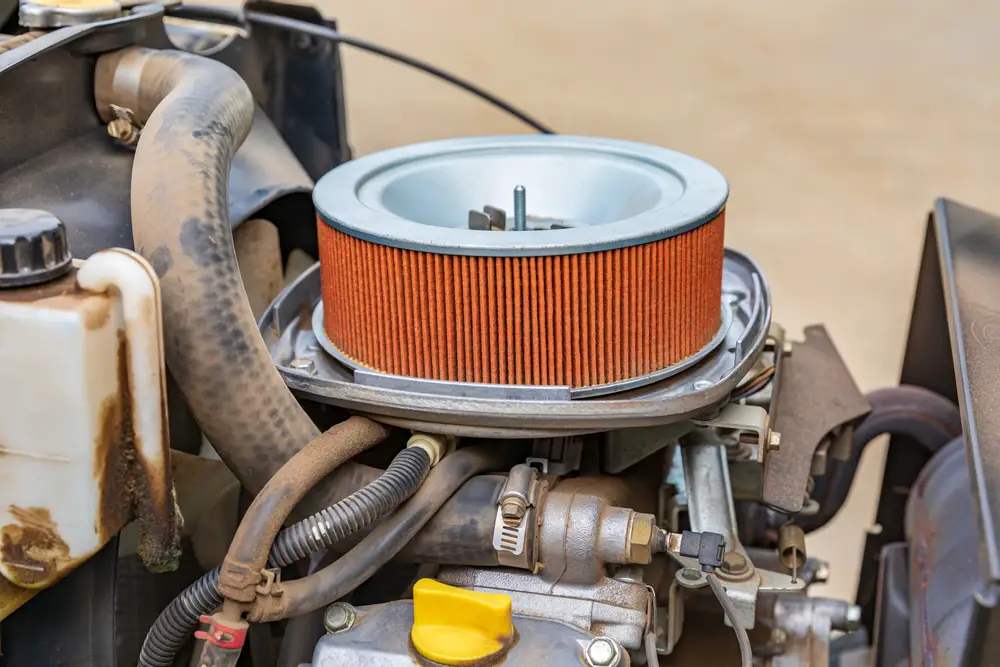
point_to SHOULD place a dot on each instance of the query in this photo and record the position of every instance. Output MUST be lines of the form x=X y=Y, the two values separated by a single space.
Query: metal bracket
x=747 y=419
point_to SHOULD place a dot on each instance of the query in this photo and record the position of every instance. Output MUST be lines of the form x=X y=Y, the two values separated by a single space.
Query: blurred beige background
x=837 y=123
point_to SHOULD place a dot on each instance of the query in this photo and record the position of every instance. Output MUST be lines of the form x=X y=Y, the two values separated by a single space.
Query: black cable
x=324 y=32
x=746 y=652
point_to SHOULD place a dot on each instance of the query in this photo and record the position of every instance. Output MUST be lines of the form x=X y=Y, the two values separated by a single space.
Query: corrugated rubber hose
x=401 y=479
x=360 y=509
x=196 y=113
x=301 y=596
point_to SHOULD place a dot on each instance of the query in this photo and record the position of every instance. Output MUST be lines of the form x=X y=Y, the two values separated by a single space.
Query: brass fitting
x=641 y=538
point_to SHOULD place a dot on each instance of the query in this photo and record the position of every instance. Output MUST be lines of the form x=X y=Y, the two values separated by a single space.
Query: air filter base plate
x=696 y=391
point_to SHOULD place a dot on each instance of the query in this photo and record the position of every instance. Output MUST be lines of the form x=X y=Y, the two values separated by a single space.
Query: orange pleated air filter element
x=554 y=261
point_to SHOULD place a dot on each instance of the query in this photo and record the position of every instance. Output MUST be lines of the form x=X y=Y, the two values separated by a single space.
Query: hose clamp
x=516 y=516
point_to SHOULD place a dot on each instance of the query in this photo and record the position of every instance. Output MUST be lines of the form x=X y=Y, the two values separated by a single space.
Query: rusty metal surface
x=947 y=592
x=817 y=394
x=952 y=350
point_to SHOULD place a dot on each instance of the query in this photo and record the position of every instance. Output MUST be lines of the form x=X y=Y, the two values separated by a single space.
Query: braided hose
x=360 y=509
x=401 y=479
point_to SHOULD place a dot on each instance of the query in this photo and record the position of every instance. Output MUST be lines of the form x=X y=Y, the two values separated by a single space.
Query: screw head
x=778 y=639
x=734 y=563
x=303 y=364
x=338 y=617
x=603 y=652
x=691 y=574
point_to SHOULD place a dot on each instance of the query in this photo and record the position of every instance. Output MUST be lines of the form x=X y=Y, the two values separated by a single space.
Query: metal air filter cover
x=607 y=276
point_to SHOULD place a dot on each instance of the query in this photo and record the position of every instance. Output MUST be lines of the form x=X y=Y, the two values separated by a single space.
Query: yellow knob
x=453 y=626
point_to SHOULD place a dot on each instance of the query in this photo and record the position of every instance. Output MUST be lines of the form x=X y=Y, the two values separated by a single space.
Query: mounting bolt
x=734 y=563
x=853 y=618
x=603 y=652
x=520 y=209
x=304 y=365
x=339 y=616
x=778 y=640
x=124 y=128
x=691 y=574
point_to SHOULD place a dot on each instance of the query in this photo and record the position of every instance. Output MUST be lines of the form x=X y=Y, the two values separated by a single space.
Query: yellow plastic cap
x=453 y=626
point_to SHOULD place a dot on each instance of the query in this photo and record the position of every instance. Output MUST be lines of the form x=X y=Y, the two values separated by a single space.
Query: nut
x=639 y=550
x=603 y=652
x=773 y=441
x=691 y=574
x=338 y=617
x=512 y=510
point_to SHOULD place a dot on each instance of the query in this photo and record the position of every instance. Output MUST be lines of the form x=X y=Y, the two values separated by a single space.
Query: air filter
x=591 y=264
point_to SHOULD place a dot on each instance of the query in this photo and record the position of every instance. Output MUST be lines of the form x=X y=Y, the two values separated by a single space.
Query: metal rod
x=520 y=209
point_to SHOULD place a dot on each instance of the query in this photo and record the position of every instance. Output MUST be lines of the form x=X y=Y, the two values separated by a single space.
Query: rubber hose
x=908 y=411
x=248 y=552
x=196 y=113
x=389 y=537
x=399 y=481
x=175 y=624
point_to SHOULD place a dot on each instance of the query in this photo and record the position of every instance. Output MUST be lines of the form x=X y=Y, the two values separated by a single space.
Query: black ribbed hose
x=400 y=480
x=360 y=509
x=317 y=590
x=175 y=624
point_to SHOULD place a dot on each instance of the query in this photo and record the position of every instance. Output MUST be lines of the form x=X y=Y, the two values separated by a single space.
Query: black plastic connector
x=706 y=547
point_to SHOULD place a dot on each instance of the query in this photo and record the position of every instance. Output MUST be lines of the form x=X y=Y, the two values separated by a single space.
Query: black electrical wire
x=323 y=32
x=746 y=652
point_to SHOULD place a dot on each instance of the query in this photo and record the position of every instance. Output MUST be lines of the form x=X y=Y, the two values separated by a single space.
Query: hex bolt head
x=603 y=652
x=303 y=364
x=338 y=617
x=734 y=563
x=691 y=574
x=773 y=441
x=853 y=617
x=512 y=510
x=778 y=640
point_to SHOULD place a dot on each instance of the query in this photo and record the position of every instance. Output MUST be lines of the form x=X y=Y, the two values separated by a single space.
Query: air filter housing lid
x=582 y=195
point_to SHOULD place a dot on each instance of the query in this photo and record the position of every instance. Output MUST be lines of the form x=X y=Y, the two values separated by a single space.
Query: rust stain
x=125 y=481
x=113 y=454
x=31 y=549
